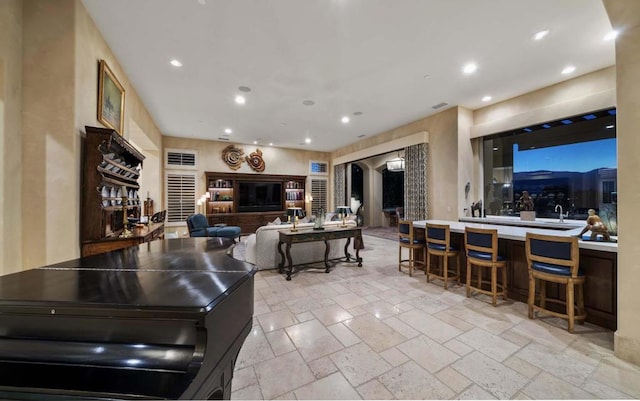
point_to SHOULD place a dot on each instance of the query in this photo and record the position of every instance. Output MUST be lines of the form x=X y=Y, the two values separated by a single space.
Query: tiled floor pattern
x=376 y=333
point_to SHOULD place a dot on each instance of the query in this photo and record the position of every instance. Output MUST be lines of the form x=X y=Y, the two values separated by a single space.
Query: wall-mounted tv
x=259 y=196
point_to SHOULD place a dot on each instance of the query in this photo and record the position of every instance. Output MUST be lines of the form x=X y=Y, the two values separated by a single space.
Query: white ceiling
x=368 y=56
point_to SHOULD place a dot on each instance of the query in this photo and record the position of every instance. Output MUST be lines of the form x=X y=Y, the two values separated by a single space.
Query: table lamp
x=293 y=214
x=343 y=212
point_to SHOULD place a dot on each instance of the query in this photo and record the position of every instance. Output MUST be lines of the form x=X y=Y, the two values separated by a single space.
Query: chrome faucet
x=561 y=215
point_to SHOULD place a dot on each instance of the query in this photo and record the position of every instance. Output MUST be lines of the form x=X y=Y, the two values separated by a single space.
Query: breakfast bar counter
x=597 y=258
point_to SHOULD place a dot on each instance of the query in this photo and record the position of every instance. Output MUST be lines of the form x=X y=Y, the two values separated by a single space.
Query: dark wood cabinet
x=225 y=202
x=110 y=171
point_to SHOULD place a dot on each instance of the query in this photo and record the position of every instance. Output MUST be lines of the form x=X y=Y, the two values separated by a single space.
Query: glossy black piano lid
x=179 y=275
x=198 y=254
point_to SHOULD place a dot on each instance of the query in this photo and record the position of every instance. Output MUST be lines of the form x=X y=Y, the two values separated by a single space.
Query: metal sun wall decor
x=233 y=156
x=255 y=161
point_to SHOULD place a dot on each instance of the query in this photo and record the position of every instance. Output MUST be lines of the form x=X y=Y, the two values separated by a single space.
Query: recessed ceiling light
x=307 y=140
x=540 y=35
x=227 y=130
x=308 y=102
x=610 y=126
x=175 y=63
x=486 y=98
x=255 y=142
x=270 y=143
x=357 y=113
x=240 y=99
x=345 y=120
x=244 y=89
x=611 y=35
x=202 y=2
x=470 y=68
x=568 y=69
x=495 y=148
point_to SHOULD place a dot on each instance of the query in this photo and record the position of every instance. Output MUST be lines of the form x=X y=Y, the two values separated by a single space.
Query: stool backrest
x=481 y=240
x=552 y=249
x=405 y=231
x=438 y=234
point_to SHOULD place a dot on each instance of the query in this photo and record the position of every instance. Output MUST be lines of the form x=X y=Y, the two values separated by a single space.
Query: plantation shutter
x=181 y=196
x=319 y=194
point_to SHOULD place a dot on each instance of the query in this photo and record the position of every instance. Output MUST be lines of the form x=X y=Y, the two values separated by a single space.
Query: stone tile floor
x=376 y=333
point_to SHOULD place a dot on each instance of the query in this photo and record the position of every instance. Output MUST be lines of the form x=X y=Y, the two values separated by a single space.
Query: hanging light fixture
x=396 y=164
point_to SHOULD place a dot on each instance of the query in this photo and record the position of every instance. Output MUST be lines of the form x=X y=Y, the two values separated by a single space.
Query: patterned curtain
x=415 y=182
x=339 y=185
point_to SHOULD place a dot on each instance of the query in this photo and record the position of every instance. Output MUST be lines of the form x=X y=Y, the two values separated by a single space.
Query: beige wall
x=10 y=136
x=625 y=15
x=441 y=132
x=60 y=53
x=50 y=144
x=466 y=162
x=589 y=92
x=139 y=127
x=277 y=160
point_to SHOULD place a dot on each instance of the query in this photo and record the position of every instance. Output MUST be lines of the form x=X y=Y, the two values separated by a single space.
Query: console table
x=289 y=238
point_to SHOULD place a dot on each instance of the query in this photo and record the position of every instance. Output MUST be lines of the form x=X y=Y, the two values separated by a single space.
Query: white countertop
x=538 y=222
x=514 y=232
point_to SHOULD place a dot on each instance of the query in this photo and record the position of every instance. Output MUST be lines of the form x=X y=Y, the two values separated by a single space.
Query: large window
x=570 y=162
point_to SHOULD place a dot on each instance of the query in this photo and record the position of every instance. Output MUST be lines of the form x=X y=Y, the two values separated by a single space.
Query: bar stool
x=555 y=259
x=482 y=251
x=439 y=245
x=407 y=239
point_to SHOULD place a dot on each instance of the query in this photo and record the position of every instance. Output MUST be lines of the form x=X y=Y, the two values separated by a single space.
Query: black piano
x=164 y=319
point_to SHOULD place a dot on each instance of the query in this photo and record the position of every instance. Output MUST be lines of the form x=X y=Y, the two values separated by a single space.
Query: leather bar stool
x=482 y=251
x=439 y=245
x=555 y=259
x=407 y=239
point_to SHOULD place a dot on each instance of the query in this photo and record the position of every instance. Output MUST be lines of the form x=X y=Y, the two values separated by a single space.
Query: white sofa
x=262 y=246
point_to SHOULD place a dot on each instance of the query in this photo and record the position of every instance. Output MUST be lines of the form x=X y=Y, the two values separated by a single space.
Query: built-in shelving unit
x=224 y=204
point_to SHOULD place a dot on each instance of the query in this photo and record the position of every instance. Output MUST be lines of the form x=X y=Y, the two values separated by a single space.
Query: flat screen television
x=259 y=196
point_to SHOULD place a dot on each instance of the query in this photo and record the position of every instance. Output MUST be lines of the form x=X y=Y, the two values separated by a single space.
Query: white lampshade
x=345 y=210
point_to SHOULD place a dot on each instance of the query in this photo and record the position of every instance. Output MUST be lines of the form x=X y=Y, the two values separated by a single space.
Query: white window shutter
x=181 y=196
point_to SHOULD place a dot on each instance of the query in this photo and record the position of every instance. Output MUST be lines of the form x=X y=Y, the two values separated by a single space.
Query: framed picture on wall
x=110 y=99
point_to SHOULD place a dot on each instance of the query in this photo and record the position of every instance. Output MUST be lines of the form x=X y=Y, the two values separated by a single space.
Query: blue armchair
x=199 y=227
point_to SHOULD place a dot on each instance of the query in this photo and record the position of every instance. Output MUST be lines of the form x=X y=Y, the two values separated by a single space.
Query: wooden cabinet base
x=140 y=235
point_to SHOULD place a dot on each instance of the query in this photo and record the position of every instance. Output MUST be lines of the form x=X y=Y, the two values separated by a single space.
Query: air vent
x=318 y=168
x=222 y=138
x=361 y=136
x=439 y=105
x=181 y=159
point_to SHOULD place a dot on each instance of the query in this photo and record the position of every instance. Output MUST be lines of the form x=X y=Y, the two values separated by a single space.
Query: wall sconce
x=293 y=213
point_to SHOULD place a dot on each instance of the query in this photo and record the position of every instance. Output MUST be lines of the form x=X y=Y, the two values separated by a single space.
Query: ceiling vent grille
x=439 y=105
x=181 y=159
